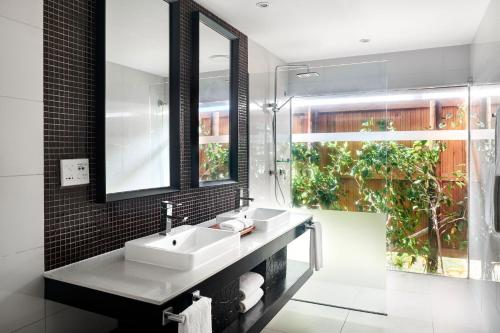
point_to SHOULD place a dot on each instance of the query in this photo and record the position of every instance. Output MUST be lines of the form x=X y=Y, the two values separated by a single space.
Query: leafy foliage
x=413 y=194
x=316 y=186
x=214 y=161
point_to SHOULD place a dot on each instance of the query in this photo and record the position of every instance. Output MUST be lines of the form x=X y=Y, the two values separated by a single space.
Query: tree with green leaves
x=317 y=186
x=413 y=191
x=215 y=164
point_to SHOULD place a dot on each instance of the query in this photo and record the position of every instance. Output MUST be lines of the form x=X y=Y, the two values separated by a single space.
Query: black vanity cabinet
x=283 y=278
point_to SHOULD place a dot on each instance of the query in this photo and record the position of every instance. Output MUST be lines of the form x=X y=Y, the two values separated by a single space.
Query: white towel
x=497 y=150
x=251 y=300
x=316 y=243
x=249 y=283
x=198 y=317
x=247 y=222
x=232 y=225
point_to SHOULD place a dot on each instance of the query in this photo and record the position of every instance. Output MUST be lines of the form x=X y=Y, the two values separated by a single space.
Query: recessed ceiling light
x=219 y=57
x=364 y=40
x=263 y=4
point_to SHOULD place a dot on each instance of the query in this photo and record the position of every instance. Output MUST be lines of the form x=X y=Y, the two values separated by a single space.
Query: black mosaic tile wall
x=76 y=227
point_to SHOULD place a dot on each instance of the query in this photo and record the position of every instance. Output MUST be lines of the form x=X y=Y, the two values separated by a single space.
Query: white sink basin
x=184 y=249
x=265 y=219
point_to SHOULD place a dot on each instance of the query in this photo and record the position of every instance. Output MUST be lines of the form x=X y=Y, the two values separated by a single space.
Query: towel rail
x=169 y=315
x=310 y=226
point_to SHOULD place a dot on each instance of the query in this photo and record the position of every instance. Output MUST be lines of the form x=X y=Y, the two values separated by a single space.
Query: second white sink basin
x=265 y=219
x=184 y=249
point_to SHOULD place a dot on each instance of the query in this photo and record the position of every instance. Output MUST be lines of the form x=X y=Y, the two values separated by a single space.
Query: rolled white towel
x=232 y=225
x=251 y=300
x=247 y=222
x=249 y=283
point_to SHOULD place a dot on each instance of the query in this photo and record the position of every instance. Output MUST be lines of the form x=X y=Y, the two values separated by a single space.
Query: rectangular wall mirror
x=139 y=124
x=215 y=103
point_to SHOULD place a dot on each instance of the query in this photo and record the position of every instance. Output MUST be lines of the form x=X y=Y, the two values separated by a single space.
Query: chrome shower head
x=307 y=74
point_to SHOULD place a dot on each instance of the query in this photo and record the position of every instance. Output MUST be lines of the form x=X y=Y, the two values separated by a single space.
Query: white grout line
x=21 y=22
x=30 y=324
x=12 y=254
x=39 y=101
x=26 y=175
x=28 y=250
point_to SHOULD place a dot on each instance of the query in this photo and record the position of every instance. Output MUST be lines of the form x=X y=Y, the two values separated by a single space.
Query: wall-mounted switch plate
x=74 y=172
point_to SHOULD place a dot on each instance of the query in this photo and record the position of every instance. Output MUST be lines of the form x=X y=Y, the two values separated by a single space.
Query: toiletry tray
x=243 y=232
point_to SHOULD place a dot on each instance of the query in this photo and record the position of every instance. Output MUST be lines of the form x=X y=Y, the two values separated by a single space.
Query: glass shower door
x=336 y=117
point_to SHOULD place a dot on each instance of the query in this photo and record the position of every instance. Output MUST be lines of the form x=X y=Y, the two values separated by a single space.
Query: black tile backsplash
x=76 y=227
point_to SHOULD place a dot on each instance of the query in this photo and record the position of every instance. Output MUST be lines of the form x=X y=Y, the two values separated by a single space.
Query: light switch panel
x=74 y=172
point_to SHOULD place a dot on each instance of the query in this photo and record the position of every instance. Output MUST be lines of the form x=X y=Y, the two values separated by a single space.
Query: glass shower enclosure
x=316 y=130
x=384 y=171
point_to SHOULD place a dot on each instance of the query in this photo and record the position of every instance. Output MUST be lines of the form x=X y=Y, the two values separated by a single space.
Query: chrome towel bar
x=309 y=225
x=168 y=314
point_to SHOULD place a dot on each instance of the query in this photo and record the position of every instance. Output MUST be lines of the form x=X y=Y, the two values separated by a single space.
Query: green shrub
x=215 y=165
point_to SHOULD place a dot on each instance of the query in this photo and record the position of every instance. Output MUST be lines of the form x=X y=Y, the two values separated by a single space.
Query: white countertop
x=111 y=273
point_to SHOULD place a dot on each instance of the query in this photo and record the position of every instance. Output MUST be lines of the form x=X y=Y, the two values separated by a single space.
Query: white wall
x=22 y=306
x=261 y=68
x=485 y=50
x=21 y=164
x=484 y=242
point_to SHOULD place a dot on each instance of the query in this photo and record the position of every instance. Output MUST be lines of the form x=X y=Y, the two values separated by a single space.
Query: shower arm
x=278 y=108
x=276 y=70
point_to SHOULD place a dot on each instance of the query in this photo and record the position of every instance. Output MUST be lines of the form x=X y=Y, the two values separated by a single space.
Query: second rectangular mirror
x=138 y=119
x=215 y=116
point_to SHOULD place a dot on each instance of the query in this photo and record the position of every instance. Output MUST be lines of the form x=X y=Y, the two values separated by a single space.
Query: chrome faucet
x=166 y=216
x=242 y=198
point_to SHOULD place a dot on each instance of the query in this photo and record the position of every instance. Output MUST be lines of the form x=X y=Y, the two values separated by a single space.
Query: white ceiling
x=321 y=29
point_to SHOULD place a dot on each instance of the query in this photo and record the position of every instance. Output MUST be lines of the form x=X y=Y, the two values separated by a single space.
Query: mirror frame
x=234 y=82
x=174 y=108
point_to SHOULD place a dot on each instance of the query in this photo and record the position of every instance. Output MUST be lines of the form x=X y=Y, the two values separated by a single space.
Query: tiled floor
x=415 y=304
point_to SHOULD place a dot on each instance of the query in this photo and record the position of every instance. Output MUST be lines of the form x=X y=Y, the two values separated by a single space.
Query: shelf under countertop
x=297 y=273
